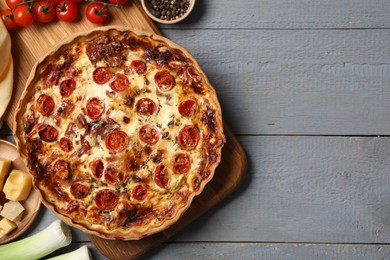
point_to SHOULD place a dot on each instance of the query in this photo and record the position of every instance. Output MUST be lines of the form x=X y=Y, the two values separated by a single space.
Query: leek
x=80 y=254
x=55 y=236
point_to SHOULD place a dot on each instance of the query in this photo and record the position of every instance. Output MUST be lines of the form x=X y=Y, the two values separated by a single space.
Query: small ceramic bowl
x=146 y=4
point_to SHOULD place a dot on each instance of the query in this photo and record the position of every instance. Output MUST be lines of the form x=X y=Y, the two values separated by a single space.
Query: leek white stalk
x=55 y=236
x=80 y=254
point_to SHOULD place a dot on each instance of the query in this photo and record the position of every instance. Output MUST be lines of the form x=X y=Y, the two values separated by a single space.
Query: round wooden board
x=31 y=205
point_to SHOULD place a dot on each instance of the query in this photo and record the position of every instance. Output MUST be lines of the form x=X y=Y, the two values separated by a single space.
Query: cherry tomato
x=139 y=192
x=97 y=168
x=96 y=13
x=118 y=2
x=106 y=199
x=101 y=75
x=23 y=15
x=11 y=3
x=78 y=190
x=187 y=108
x=95 y=107
x=45 y=104
x=148 y=134
x=139 y=66
x=8 y=19
x=145 y=107
x=188 y=137
x=164 y=80
x=115 y=177
x=44 y=11
x=161 y=176
x=120 y=82
x=48 y=134
x=67 y=11
x=76 y=1
x=66 y=144
x=181 y=163
x=117 y=140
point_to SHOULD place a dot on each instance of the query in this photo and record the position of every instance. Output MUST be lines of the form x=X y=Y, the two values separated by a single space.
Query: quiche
x=120 y=130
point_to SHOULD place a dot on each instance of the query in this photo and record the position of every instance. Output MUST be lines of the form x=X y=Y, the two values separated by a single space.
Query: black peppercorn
x=168 y=9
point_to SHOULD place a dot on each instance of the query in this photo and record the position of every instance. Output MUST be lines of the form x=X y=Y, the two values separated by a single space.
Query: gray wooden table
x=305 y=87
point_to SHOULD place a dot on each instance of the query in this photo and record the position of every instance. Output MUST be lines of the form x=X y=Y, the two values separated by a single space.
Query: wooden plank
x=306 y=189
x=300 y=189
x=271 y=14
x=305 y=82
x=206 y=250
x=270 y=251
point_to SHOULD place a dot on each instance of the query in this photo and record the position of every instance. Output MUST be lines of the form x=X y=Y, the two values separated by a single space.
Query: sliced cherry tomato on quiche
x=45 y=104
x=139 y=192
x=97 y=168
x=139 y=66
x=181 y=163
x=117 y=140
x=78 y=190
x=106 y=199
x=164 y=80
x=145 y=107
x=161 y=176
x=95 y=107
x=187 y=107
x=148 y=134
x=102 y=75
x=67 y=87
x=120 y=83
x=62 y=169
x=188 y=137
x=48 y=134
x=66 y=144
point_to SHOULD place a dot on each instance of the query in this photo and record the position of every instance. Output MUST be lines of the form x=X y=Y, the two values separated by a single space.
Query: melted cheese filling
x=166 y=119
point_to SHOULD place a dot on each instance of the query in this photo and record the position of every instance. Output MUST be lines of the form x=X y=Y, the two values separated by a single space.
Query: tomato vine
x=25 y=12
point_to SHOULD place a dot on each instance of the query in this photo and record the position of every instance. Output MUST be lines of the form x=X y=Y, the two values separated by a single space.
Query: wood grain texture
x=306 y=189
x=222 y=251
x=285 y=14
x=197 y=251
x=306 y=82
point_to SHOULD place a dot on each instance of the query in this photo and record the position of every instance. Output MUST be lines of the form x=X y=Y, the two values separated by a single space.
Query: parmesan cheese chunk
x=18 y=185
x=4 y=168
x=6 y=226
x=12 y=210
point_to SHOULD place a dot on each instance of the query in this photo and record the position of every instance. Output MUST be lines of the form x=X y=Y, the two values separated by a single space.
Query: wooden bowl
x=31 y=205
x=146 y=5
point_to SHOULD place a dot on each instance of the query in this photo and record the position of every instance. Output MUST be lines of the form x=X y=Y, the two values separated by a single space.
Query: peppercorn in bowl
x=168 y=11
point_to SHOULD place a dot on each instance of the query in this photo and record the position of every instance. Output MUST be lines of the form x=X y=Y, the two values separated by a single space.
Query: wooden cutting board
x=31 y=43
